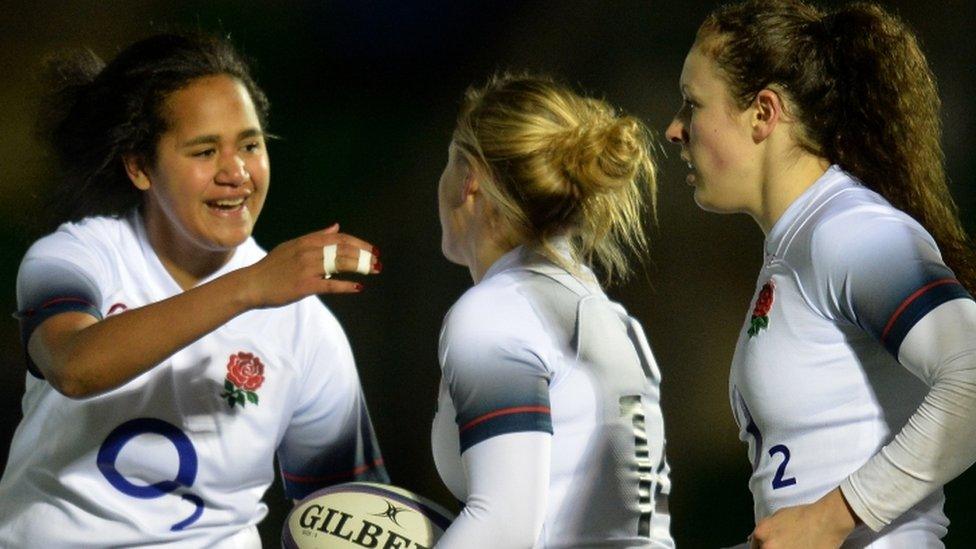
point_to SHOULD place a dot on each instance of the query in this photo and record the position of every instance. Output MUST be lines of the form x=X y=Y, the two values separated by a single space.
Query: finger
x=357 y=260
x=338 y=287
x=329 y=260
x=332 y=229
x=343 y=258
x=349 y=240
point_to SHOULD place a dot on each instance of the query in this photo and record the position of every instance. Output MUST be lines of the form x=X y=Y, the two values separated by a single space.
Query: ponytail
x=888 y=130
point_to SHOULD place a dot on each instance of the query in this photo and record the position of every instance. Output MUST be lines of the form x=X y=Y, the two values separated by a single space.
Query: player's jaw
x=227 y=219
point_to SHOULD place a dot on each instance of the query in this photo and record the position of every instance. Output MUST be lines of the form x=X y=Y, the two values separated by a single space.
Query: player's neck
x=483 y=255
x=185 y=262
x=786 y=178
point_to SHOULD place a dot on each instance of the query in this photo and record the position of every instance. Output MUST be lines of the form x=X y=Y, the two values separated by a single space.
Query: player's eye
x=253 y=147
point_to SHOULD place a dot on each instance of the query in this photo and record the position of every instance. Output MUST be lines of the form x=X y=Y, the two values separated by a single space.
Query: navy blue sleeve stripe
x=501 y=422
x=30 y=319
x=916 y=306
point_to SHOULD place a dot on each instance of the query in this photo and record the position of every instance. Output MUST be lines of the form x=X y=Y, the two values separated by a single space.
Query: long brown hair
x=863 y=93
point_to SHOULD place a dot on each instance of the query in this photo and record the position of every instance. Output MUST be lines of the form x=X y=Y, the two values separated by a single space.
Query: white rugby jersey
x=815 y=384
x=532 y=348
x=184 y=452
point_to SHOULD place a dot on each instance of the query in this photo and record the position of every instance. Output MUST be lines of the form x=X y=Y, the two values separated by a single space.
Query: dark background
x=364 y=94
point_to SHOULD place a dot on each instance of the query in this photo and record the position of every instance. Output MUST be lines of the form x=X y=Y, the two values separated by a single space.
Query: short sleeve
x=59 y=273
x=330 y=437
x=883 y=272
x=497 y=381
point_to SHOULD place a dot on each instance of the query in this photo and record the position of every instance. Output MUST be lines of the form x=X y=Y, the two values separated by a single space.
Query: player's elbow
x=70 y=381
x=510 y=526
x=71 y=387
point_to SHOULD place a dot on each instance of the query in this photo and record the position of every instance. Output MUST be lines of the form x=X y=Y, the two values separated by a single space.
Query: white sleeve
x=508 y=482
x=330 y=438
x=939 y=440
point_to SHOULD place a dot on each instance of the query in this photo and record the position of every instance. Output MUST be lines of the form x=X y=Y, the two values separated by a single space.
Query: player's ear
x=135 y=168
x=471 y=185
x=767 y=113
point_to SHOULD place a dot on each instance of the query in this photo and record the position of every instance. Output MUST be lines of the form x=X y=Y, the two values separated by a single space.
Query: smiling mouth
x=227 y=204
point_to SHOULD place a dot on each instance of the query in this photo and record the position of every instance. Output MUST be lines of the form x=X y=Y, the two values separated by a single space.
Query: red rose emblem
x=765 y=300
x=245 y=375
x=245 y=371
x=760 y=314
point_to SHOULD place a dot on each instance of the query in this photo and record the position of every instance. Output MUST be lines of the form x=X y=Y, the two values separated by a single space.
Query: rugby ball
x=364 y=514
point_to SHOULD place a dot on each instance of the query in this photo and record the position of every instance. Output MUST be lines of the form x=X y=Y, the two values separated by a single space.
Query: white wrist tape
x=329 y=260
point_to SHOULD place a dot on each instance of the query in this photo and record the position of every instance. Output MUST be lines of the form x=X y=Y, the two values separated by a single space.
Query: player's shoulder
x=96 y=234
x=494 y=305
x=862 y=225
x=847 y=220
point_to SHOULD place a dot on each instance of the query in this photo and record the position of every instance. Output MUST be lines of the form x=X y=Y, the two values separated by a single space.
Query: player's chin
x=451 y=254
x=227 y=239
x=704 y=201
x=712 y=204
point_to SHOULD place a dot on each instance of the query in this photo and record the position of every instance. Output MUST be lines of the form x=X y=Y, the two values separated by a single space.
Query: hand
x=824 y=524
x=294 y=269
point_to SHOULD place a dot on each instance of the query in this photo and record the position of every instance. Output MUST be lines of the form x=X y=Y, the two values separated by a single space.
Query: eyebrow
x=213 y=139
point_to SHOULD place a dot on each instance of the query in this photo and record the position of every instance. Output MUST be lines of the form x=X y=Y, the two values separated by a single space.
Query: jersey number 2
x=753 y=429
x=778 y=480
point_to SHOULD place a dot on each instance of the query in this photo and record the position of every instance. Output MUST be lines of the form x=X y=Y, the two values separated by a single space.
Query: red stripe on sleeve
x=908 y=301
x=358 y=470
x=505 y=412
x=64 y=300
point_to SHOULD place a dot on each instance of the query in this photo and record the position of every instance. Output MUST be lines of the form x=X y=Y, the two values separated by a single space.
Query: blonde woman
x=548 y=425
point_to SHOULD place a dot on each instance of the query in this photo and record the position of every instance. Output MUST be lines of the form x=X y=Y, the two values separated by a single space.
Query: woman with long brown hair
x=854 y=378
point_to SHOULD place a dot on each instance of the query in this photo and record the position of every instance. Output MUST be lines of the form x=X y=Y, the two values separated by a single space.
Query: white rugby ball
x=364 y=514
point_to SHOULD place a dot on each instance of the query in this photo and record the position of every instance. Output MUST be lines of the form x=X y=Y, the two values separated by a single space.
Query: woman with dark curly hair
x=854 y=378
x=169 y=357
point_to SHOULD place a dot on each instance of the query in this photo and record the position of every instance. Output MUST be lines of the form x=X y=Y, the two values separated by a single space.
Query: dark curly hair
x=95 y=114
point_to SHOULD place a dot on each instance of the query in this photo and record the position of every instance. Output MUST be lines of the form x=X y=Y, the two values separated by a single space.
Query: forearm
x=939 y=440
x=508 y=480
x=108 y=353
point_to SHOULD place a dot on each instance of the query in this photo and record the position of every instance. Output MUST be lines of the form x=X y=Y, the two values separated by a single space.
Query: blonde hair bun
x=558 y=164
x=603 y=155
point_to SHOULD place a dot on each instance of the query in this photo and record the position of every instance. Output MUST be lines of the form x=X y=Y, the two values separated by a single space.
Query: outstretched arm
x=81 y=355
